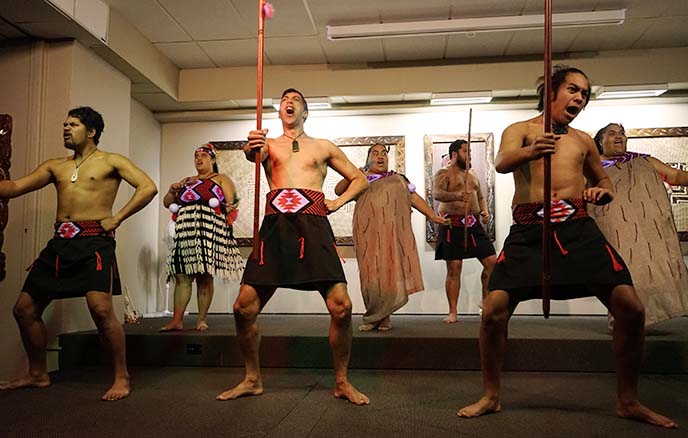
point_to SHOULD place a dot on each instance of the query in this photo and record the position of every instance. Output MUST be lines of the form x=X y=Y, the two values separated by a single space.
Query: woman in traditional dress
x=204 y=208
x=386 y=250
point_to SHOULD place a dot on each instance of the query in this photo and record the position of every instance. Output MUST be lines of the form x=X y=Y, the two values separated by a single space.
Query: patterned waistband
x=460 y=221
x=295 y=201
x=561 y=210
x=72 y=230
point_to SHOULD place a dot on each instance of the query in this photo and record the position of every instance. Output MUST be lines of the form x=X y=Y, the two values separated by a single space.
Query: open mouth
x=289 y=110
x=572 y=110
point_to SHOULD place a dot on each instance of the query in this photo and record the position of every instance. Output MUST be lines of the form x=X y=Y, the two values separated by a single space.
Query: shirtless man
x=448 y=188
x=583 y=263
x=80 y=259
x=297 y=248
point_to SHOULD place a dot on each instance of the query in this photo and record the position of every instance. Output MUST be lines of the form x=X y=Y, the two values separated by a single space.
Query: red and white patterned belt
x=561 y=210
x=295 y=201
x=74 y=229
x=463 y=221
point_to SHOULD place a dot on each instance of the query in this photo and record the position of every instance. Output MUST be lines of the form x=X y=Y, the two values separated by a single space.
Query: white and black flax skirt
x=204 y=243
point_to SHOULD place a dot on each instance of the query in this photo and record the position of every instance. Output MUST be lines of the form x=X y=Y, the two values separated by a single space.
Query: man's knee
x=246 y=306
x=626 y=306
x=102 y=313
x=339 y=304
x=454 y=269
x=26 y=309
x=496 y=309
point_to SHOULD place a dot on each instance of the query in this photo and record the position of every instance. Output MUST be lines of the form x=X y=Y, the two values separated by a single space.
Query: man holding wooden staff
x=297 y=247
x=583 y=263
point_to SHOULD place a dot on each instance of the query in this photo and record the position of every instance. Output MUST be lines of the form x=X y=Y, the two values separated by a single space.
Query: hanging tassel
x=448 y=239
x=262 y=262
x=301 y=249
x=617 y=266
x=99 y=262
x=501 y=257
x=57 y=266
x=474 y=242
x=561 y=248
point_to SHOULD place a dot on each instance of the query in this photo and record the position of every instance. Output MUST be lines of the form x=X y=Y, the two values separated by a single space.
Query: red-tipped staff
x=465 y=183
x=547 y=198
x=265 y=10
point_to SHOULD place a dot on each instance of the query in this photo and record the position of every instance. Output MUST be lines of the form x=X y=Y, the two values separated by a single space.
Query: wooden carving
x=5 y=155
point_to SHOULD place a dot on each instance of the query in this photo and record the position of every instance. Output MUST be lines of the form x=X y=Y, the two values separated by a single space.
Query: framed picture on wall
x=232 y=162
x=482 y=163
x=669 y=145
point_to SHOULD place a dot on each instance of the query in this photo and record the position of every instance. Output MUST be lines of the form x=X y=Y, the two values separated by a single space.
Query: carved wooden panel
x=5 y=156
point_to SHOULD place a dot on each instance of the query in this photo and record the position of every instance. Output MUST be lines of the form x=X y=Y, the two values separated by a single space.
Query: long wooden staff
x=465 y=184
x=264 y=10
x=547 y=198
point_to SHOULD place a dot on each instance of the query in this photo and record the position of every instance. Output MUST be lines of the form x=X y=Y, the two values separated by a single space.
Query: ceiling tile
x=482 y=44
x=531 y=42
x=209 y=19
x=352 y=52
x=343 y=12
x=486 y=8
x=151 y=20
x=185 y=55
x=415 y=48
x=231 y=53
x=619 y=37
x=295 y=50
x=664 y=32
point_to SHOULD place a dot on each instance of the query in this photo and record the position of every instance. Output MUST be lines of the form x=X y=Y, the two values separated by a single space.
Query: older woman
x=386 y=250
x=203 y=206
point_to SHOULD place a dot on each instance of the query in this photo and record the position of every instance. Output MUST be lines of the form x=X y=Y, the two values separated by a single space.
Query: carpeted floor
x=179 y=402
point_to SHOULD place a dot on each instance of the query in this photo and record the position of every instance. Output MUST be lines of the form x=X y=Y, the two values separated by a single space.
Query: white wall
x=139 y=246
x=179 y=139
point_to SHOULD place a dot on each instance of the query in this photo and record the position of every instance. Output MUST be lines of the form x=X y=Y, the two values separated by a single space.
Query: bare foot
x=243 y=389
x=29 y=381
x=450 y=319
x=201 y=326
x=483 y=406
x=367 y=327
x=636 y=411
x=173 y=326
x=347 y=391
x=119 y=390
x=385 y=324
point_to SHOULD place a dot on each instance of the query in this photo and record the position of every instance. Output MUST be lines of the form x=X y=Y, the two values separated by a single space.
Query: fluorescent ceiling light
x=630 y=91
x=472 y=25
x=461 y=98
x=314 y=103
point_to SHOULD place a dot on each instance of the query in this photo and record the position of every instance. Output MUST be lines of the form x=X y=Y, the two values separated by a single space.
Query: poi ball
x=268 y=10
x=170 y=229
x=412 y=188
x=174 y=208
x=213 y=202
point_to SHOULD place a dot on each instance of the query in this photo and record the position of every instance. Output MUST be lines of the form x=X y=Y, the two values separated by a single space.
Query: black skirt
x=296 y=251
x=583 y=263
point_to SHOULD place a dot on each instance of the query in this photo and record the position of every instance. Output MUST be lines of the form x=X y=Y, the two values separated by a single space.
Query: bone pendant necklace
x=75 y=174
